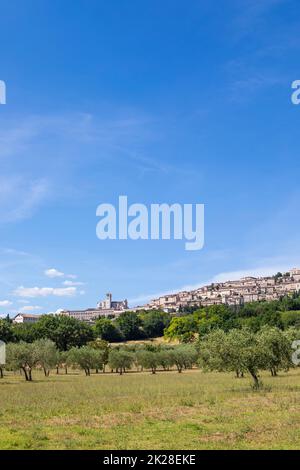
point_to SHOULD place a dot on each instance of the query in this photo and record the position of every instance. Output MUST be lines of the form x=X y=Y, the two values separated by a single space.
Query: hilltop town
x=237 y=292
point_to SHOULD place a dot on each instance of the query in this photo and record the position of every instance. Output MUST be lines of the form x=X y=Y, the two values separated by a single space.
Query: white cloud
x=30 y=308
x=5 y=303
x=73 y=283
x=52 y=272
x=71 y=276
x=45 y=291
x=12 y=251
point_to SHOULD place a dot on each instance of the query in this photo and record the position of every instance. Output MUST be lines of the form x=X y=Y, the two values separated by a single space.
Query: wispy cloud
x=73 y=283
x=20 y=197
x=16 y=136
x=243 y=88
x=5 y=303
x=14 y=252
x=251 y=14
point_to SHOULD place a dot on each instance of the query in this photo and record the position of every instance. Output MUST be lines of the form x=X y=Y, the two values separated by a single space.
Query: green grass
x=192 y=410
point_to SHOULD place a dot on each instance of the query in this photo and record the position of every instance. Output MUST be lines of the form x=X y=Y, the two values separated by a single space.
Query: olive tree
x=21 y=356
x=62 y=361
x=102 y=348
x=277 y=349
x=85 y=357
x=120 y=360
x=165 y=358
x=237 y=350
x=46 y=354
x=184 y=356
x=148 y=360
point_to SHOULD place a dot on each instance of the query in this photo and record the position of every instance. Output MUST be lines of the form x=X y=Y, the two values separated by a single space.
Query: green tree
x=148 y=360
x=237 y=350
x=277 y=349
x=86 y=358
x=165 y=358
x=46 y=354
x=120 y=360
x=102 y=348
x=6 y=331
x=66 y=332
x=107 y=330
x=129 y=323
x=290 y=318
x=154 y=323
x=62 y=361
x=182 y=328
x=21 y=356
x=184 y=356
x=25 y=332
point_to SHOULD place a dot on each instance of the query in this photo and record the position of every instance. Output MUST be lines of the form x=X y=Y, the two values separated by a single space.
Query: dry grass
x=168 y=410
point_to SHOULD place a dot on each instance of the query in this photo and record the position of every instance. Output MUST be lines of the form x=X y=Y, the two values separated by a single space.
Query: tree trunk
x=255 y=379
x=1 y=373
x=25 y=373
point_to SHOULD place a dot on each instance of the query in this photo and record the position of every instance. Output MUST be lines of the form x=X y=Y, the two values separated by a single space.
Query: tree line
x=239 y=350
x=96 y=356
x=67 y=332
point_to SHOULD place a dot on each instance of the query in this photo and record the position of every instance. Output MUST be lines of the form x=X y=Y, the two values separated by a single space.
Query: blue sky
x=169 y=101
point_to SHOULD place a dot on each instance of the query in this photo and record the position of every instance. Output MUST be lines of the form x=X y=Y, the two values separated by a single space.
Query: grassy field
x=193 y=410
